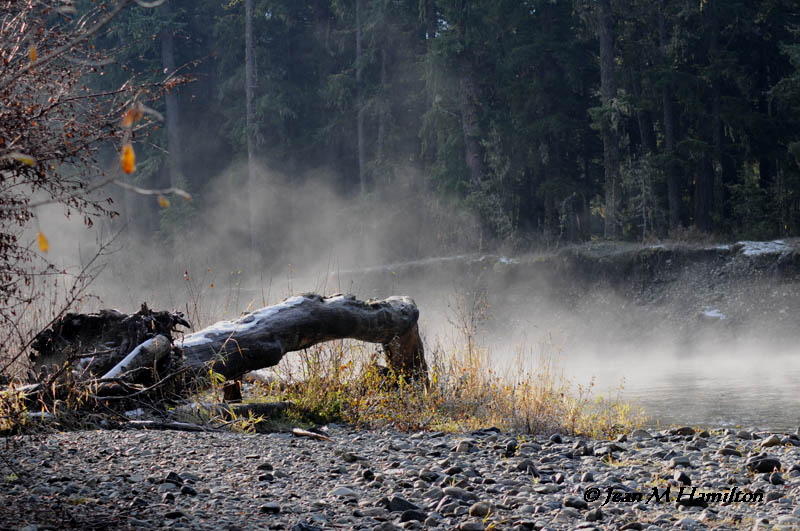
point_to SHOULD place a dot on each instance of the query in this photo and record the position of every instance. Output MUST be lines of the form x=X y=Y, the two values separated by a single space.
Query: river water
x=750 y=391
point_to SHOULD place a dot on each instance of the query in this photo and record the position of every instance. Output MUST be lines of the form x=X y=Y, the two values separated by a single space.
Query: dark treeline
x=550 y=119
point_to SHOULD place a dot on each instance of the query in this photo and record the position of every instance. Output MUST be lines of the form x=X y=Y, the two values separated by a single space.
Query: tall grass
x=339 y=382
x=343 y=381
x=468 y=388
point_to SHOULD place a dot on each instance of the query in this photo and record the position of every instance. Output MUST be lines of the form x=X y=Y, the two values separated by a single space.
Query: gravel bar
x=382 y=480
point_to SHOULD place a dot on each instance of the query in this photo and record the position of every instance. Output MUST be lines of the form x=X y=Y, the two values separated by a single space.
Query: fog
x=310 y=238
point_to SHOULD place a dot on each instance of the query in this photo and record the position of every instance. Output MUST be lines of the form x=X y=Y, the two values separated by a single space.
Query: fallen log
x=261 y=339
x=146 y=355
x=92 y=344
x=229 y=348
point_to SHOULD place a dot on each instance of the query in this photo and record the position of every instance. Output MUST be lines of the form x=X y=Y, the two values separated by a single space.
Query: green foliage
x=732 y=76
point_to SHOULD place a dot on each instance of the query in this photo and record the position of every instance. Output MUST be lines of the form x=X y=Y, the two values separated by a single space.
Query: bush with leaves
x=52 y=130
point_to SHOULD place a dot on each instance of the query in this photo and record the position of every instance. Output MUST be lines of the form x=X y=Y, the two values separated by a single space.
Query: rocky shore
x=677 y=478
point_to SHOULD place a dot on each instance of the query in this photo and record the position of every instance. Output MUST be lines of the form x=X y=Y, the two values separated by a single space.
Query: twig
x=46 y=58
x=299 y=432
x=146 y=389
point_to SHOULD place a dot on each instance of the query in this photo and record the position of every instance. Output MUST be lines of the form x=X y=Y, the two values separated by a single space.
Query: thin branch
x=46 y=58
x=100 y=184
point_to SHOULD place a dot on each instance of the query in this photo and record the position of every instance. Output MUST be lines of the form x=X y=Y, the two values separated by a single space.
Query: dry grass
x=340 y=382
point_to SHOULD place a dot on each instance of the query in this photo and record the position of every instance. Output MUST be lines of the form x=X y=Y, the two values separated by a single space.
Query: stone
x=575 y=502
x=763 y=464
x=459 y=494
x=173 y=478
x=343 y=492
x=465 y=446
x=480 y=509
x=270 y=508
x=413 y=515
x=398 y=504
x=428 y=475
x=527 y=466
x=595 y=515
x=303 y=526
x=682 y=477
x=729 y=451
x=472 y=526
x=680 y=460
x=510 y=448
x=687 y=523
x=587 y=477
x=772 y=440
x=386 y=526
x=556 y=439
x=174 y=515
x=187 y=490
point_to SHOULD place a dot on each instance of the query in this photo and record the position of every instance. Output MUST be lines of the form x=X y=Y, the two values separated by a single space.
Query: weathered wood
x=94 y=343
x=145 y=355
x=261 y=339
x=229 y=348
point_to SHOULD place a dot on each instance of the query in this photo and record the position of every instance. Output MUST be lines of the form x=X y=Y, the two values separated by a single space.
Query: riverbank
x=391 y=480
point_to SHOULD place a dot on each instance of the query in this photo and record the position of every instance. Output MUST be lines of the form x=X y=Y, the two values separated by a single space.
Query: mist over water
x=312 y=239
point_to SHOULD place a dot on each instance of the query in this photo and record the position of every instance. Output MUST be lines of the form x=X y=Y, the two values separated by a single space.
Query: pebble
x=399 y=504
x=396 y=481
x=480 y=509
x=343 y=492
x=270 y=508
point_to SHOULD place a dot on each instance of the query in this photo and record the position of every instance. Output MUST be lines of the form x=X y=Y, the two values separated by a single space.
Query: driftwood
x=230 y=348
x=261 y=339
x=146 y=355
x=92 y=344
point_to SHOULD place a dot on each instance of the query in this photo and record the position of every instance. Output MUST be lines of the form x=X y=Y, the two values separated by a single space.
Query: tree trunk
x=470 y=123
x=171 y=103
x=362 y=153
x=383 y=111
x=122 y=357
x=722 y=177
x=250 y=124
x=704 y=193
x=644 y=119
x=608 y=90
x=708 y=172
x=671 y=168
x=261 y=339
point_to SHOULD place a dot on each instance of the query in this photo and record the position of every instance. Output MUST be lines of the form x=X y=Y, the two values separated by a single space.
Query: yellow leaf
x=163 y=202
x=27 y=160
x=131 y=116
x=127 y=159
x=41 y=239
x=33 y=55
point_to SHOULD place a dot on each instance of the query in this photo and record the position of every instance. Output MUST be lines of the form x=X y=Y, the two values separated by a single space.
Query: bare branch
x=78 y=39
